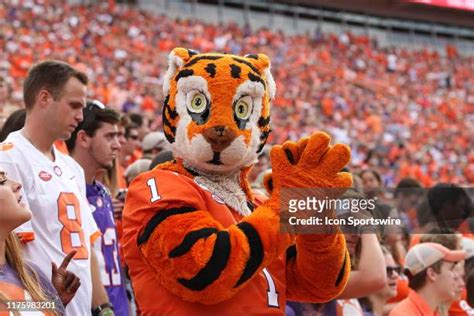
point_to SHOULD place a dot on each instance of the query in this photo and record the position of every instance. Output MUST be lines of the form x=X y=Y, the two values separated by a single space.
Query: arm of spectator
x=99 y=295
x=370 y=275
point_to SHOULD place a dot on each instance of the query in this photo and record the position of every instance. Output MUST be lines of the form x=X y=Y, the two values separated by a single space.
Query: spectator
x=408 y=195
x=162 y=157
x=392 y=105
x=94 y=145
x=142 y=122
x=14 y=122
x=139 y=166
x=447 y=206
x=468 y=246
x=430 y=268
x=20 y=280
x=54 y=92
x=153 y=143
x=368 y=273
x=132 y=143
x=376 y=304
x=452 y=241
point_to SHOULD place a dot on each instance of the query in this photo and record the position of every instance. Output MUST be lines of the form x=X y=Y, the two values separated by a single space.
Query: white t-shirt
x=62 y=219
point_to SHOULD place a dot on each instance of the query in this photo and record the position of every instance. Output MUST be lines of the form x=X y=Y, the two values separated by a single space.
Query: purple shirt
x=109 y=261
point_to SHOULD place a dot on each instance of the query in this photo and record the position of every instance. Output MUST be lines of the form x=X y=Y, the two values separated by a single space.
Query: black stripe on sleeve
x=158 y=219
x=214 y=267
x=189 y=240
x=256 y=252
x=341 y=272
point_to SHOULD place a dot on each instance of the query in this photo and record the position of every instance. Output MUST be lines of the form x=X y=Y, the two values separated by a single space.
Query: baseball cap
x=137 y=167
x=154 y=140
x=468 y=247
x=423 y=255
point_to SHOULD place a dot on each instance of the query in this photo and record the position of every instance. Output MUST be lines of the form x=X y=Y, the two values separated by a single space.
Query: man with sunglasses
x=94 y=145
x=432 y=278
x=53 y=183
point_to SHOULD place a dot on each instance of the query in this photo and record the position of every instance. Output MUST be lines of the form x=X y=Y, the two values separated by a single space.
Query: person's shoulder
x=165 y=184
x=404 y=307
x=12 y=147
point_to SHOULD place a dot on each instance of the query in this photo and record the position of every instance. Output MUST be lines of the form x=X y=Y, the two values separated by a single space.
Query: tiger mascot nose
x=220 y=137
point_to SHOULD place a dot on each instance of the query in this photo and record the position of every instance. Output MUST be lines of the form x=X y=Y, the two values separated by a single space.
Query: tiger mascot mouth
x=216 y=112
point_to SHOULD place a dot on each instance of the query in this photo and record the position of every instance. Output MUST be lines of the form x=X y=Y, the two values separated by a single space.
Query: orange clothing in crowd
x=461 y=307
x=463 y=230
x=137 y=154
x=121 y=183
x=402 y=291
x=61 y=146
x=413 y=305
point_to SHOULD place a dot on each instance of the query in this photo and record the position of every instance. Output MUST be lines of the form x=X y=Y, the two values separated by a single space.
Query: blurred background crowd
x=404 y=112
x=407 y=114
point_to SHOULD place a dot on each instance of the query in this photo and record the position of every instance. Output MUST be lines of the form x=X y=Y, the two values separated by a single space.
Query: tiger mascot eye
x=195 y=238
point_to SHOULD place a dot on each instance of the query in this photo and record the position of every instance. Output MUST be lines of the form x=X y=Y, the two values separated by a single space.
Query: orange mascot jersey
x=193 y=238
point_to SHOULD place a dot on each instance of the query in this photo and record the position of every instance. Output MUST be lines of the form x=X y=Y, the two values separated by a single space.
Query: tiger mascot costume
x=195 y=239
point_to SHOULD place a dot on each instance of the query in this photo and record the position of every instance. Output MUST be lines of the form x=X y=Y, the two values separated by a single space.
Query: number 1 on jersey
x=153 y=190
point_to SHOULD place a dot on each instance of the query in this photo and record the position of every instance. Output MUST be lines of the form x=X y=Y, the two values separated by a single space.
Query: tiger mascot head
x=216 y=111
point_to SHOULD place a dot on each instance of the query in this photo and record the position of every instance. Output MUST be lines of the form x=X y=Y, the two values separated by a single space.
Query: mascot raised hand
x=195 y=239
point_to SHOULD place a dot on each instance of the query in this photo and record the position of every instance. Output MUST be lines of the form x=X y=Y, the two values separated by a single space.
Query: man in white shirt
x=53 y=183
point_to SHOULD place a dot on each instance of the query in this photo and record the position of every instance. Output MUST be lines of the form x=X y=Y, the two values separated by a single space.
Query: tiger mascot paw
x=309 y=163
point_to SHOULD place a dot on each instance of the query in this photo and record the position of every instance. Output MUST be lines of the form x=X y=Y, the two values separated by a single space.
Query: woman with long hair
x=376 y=303
x=19 y=280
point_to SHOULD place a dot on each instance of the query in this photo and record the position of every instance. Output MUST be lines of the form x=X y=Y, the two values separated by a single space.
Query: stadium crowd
x=407 y=115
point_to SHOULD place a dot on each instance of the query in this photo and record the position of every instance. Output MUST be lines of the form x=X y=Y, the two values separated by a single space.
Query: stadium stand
x=405 y=112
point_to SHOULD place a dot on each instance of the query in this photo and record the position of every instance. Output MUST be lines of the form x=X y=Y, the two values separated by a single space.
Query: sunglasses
x=90 y=112
x=95 y=104
x=392 y=269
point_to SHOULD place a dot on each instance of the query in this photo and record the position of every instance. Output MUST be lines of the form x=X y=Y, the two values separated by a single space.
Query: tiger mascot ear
x=177 y=58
